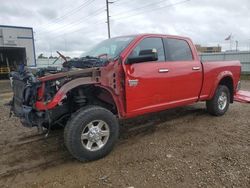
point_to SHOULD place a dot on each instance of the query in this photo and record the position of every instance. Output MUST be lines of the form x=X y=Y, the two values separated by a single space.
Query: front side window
x=177 y=50
x=148 y=44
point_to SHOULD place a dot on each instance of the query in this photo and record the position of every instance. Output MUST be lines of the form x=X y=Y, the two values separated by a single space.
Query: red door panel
x=153 y=86
x=184 y=81
x=145 y=85
x=162 y=85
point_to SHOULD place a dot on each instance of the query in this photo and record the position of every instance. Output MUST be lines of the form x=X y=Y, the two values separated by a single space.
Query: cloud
x=75 y=27
x=48 y=13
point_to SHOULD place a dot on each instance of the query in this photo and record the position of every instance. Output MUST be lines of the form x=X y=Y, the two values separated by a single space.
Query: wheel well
x=92 y=95
x=228 y=81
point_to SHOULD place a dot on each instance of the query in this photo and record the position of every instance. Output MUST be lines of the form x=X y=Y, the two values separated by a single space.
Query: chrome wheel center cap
x=94 y=134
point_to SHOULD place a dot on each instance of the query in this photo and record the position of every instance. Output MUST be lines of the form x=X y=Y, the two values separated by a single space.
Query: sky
x=75 y=26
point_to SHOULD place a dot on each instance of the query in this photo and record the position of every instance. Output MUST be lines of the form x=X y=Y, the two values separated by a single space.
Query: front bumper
x=26 y=119
x=25 y=99
x=31 y=117
x=24 y=87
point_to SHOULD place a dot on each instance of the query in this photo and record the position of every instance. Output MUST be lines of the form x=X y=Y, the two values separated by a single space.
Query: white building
x=16 y=47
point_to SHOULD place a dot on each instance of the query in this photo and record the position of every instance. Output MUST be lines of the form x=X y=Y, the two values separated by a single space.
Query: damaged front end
x=42 y=100
x=25 y=86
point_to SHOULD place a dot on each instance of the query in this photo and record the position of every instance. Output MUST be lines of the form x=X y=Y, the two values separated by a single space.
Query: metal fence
x=49 y=62
x=243 y=57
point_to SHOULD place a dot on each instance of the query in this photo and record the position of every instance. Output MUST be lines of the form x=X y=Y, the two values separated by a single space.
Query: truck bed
x=214 y=71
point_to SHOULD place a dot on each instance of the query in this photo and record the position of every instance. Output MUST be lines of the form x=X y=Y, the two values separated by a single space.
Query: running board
x=242 y=96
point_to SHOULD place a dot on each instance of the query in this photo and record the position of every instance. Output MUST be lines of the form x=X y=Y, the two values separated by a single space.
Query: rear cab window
x=177 y=50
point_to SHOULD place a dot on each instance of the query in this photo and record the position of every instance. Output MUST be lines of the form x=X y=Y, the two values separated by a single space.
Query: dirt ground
x=184 y=147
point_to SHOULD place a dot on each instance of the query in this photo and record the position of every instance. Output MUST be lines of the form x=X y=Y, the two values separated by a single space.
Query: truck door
x=145 y=84
x=175 y=79
x=184 y=75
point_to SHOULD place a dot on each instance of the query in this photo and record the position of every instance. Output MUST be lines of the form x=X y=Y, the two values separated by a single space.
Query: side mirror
x=144 y=56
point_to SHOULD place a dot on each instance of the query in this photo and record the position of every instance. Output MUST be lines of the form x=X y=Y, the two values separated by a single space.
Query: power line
x=100 y=10
x=119 y=18
x=56 y=35
x=121 y=2
x=73 y=11
x=78 y=29
x=138 y=8
x=69 y=13
x=151 y=10
x=76 y=22
x=86 y=32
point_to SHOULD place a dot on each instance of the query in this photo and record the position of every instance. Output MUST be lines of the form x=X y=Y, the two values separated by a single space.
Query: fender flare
x=61 y=93
x=220 y=77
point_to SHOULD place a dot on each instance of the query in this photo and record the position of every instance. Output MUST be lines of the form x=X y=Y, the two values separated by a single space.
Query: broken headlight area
x=24 y=87
x=48 y=89
x=27 y=91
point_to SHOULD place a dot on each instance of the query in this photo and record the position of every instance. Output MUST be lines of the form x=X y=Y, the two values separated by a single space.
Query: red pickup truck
x=121 y=77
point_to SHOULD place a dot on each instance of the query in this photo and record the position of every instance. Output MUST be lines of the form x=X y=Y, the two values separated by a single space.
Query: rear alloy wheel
x=91 y=133
x=222 y=101
x=219 y=104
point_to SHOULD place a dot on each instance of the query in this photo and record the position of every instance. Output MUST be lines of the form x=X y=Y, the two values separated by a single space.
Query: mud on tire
x=91 y=133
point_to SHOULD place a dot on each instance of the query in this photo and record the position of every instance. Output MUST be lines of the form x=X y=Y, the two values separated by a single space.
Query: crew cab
x=122 y=77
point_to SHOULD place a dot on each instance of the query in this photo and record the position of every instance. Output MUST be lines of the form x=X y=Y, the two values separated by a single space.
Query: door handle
x=163 y=70
x=196 y=68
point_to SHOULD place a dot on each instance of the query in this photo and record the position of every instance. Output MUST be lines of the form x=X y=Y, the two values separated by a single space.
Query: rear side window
x=177 y=50
x=148 y=44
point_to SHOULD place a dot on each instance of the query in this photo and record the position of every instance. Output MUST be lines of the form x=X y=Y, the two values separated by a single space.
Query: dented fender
x=61 y=93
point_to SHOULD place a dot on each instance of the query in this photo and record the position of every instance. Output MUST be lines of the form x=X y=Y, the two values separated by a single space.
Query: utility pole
x=107 y=9
x=249 y=45
x=236 y=44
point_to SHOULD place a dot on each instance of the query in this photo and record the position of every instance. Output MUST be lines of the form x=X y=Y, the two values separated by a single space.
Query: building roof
x=16 y=27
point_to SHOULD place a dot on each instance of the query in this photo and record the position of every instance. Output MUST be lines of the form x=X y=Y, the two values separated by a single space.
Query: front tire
x=91 y=133
x=219 y=104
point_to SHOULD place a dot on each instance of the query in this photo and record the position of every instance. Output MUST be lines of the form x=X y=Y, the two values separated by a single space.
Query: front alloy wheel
x=95 y=135
x=91 y=133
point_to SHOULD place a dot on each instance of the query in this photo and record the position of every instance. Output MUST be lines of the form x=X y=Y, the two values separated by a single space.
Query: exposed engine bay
x=68 y=65
x=45 y=97
x=36 y=87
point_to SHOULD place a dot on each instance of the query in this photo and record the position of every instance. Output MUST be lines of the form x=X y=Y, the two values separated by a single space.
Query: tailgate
x=242 y=96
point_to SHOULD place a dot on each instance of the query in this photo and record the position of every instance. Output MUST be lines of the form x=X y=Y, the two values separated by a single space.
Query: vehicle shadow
x=147 y=124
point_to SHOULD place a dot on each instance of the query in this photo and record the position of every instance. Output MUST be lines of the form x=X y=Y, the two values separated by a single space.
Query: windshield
x=110 y=47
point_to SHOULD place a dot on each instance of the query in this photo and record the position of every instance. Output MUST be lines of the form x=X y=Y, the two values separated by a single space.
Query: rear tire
x=91 y=133
x=219 y=104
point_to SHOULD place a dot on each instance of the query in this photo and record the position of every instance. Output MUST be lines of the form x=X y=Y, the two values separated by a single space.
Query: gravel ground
x=184 y=147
